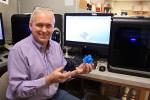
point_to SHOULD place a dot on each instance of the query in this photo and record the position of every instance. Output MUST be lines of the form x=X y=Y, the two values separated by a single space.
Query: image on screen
x=2 y=38
x=88 y=29
x=1 y=35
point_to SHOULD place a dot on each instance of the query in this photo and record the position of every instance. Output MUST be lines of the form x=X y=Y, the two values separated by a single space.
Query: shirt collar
x=37 y=44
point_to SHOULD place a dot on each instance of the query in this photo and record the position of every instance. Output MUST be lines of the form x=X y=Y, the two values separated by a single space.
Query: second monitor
x=87 y=30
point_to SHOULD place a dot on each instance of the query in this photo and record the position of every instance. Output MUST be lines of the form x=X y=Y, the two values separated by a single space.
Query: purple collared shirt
x=28 y=65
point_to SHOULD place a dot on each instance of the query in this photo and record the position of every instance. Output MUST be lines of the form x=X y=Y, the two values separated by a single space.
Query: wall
x=58 y=6
x=7 y=11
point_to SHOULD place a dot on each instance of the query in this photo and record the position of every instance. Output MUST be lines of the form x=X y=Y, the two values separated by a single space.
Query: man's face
x=42 y=27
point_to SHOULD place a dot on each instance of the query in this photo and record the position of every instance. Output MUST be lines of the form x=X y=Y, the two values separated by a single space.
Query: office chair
x=3 y=85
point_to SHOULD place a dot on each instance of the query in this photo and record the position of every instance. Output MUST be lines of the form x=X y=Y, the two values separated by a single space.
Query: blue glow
x=132 y=40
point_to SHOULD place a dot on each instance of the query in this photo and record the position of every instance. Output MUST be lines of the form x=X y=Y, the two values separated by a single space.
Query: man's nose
x=44 y=29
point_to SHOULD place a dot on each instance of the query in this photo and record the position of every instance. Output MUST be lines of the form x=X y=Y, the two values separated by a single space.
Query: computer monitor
x=87 y=30
x=20 y=27
x=2 y=37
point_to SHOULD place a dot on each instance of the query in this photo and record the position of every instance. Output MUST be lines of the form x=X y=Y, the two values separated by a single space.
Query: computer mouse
x=102 y=68
x=1 y=60
x=6 y=56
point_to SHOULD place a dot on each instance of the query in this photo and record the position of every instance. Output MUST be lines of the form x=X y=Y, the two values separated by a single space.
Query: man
x=36 y=63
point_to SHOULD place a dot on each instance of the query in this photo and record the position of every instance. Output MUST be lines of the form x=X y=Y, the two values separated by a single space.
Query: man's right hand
x=57 y=76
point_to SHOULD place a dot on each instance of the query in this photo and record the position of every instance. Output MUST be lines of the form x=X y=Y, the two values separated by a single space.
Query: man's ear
x=30 y=26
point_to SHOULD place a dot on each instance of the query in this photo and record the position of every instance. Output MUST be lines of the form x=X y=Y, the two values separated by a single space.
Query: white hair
x=37 y=9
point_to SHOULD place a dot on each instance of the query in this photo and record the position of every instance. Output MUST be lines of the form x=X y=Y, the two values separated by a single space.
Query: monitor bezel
x=2 y=41
x=85 y=44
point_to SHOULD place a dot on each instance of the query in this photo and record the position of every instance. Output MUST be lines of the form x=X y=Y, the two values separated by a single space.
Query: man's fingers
x=60 y=69
x=82 y=65
x=90 y=67
x=67 y=74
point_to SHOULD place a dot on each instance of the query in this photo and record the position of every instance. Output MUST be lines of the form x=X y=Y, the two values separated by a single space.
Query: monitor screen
x=87 y=30
x=2 y=38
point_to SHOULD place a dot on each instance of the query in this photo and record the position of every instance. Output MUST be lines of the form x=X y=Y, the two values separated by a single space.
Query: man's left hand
x=82 y=69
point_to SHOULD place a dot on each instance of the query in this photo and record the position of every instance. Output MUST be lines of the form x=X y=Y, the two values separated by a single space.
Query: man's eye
x=49 y=26
x=39 y=25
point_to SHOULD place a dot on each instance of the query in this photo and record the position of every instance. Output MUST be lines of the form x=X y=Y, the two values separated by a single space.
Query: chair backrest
x=3 y=85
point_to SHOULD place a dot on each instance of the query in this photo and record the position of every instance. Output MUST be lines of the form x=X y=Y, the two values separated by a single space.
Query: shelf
x=131 y=0
x=80 y=87
x=141 y=10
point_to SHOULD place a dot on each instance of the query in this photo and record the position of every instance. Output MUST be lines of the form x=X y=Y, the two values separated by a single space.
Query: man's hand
x=57 y=76
x=82 y=69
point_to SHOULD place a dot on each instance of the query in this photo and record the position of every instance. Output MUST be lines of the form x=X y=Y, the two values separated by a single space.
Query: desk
x=112 y=78
x=121 y=80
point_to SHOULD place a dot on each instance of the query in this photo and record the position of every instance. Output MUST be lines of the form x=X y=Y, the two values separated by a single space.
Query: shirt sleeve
x=20 y=84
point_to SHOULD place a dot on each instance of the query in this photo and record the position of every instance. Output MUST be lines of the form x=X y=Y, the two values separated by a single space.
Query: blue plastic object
x=88 y=59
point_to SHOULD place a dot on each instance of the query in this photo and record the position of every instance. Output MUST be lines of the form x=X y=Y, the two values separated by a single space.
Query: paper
x=97 y=1
x=68 y=2
x=4 y=1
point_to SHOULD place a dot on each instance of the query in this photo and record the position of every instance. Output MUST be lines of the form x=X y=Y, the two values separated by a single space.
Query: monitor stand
x=66 y=53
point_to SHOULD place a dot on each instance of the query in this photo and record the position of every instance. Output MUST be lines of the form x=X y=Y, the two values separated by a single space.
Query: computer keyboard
x=3 y=61
x=77 y=60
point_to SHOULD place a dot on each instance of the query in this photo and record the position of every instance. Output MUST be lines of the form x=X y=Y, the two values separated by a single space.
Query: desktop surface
x=116 y=78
